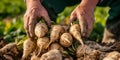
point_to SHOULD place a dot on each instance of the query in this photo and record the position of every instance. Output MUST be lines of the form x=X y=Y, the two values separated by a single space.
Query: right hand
x=84 y=12
x=34 y=10
x=85 y=15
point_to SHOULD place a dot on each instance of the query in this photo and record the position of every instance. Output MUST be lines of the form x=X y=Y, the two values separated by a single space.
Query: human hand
x=34 y=10
x=85 y=14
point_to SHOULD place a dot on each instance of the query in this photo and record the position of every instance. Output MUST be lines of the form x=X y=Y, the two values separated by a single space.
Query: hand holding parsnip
x=34 y=10
x=84 y=12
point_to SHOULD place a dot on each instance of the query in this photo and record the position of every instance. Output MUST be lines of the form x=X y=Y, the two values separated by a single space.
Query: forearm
x=31 y=3
x=89 y=3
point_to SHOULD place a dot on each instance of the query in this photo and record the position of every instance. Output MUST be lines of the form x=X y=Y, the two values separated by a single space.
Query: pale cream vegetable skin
x=41 y=30
x=75 y=31
x=28 y=47
x=66 y=39
x=42 y=44
x=57 y=31
x=53 y=54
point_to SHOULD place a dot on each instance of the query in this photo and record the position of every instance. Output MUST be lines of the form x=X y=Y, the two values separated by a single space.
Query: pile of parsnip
x=61 y=43
x=51 y=44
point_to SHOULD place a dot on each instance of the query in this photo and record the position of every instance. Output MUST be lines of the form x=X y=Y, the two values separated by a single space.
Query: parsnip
x=8 y=57
x=34 y=57
x=66 y=39
x=8 y=48
x=52 y=55
x=112 y=56
x=81 y=51
x=28 y=47
x=56 y=32
x=56 y=46
x=75 y=31
x=42 y=44
x=41 y=29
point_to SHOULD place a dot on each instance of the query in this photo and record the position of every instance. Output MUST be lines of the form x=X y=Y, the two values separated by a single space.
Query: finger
x=26 y=21
x=83 y=25
x=47 y=20
x=32 y=24
x=72 y=18
x=90 y=27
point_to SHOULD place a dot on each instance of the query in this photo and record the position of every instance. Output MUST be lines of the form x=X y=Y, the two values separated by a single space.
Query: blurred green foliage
x=13 y=31
x=11 y=8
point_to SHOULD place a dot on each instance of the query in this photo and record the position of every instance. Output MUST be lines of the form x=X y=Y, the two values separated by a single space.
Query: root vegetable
x=34 y=57
x=28 y=47
x=112 y=56
x=56 y=46
x=81 y=51
x=56 y=32
x=52 y=55
x=94 y=55
x=42 y=44
x=66 y=39
x=41 y=29
x=75 y=31
x=8 y=48
x=7 y=57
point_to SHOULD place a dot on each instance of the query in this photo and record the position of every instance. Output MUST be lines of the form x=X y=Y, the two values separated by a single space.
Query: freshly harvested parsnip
x=66 y=39
x=34 y=57
x=42 y=44
x=83 y=50
x=28 y=47
x=75 y=31
x=11 y=47
x=112 y=56
x=8 y=57
x=57 y=31
x=41 y=29
x=52 y=55
x=56 y=46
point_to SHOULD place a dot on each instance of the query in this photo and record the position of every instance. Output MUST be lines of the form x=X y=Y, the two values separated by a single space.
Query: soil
x=91 y=51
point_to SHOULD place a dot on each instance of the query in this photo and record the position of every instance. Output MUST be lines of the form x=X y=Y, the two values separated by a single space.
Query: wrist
x=32 y=3
x=91 y=4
